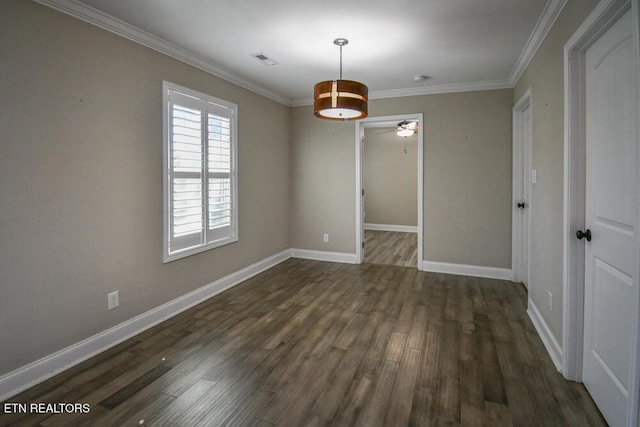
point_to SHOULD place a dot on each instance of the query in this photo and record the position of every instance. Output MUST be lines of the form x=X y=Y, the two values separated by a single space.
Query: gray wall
x=390 y=177
x=467 y=177
x=322 y=182
x=545 y=77
x=81 y=181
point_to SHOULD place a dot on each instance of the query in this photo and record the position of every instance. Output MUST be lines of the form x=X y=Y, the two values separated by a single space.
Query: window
x=200 y=182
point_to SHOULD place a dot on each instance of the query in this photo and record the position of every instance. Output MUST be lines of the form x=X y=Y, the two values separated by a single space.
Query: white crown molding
x=433 y=90
x=107 y=22
x=36 y=372
x=100 y=19
x=548 y=17
x=426 y=90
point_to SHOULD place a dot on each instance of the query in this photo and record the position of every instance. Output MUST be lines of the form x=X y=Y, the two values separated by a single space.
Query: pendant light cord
x=340 y=62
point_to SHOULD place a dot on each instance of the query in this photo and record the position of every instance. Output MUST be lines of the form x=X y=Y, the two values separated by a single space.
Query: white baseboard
x=391 y=227
x=549 y=341
x=467 y=270
x=342 y=257
x=27 y=376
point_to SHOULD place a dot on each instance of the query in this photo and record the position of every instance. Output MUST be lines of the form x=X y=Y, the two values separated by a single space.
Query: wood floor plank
x=179 y=405
x=498 y=415
x=376 y=351
x=493 y=381
x=396 y=345
x=418 y=328
x=373 y=412
x=287 y=408
x=314 y=343
x=399 y=411
x=349 y=333
x=246 y=412
x=112 y=401
x=89 y=420
x=288 y=358
x=353 y=402
x=544 y=403
x=422 y=409
x=447 y=398
x=128 y=414
x=391 y=248
x=472 y=404
x=300 y=409
x=335 y=389
x=229 y=400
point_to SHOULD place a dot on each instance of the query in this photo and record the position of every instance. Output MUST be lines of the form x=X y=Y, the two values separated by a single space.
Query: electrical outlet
x=325 y=238
x=113 y=300
x=550 y=301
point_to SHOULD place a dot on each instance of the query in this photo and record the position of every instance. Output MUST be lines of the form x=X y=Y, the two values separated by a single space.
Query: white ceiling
x=458 y=43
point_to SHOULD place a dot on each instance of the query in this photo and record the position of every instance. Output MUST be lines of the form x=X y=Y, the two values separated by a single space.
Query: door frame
x=521 y=145
x=604 y=15
x=359 y=131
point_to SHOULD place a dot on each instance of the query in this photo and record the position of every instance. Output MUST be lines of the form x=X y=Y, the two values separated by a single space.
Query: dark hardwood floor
x=310 y=343
x=391 y=248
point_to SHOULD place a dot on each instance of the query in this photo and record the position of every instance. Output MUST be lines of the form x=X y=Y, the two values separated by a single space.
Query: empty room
x=281 y=213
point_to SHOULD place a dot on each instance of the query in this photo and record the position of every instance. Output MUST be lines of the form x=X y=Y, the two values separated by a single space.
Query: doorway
x=394 y=242
x=602 y=183
x=521 y=188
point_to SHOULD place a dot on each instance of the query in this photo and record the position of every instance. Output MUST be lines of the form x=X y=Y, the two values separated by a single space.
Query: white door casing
x=611 y=282
x=362 y=196
x=359 y=132
x=522 y=134
x=604 y=15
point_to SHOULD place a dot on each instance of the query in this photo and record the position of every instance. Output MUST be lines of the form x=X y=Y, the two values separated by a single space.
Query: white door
x=524 y=207
x=611 y=257
x=362 y=192
x=521 y=187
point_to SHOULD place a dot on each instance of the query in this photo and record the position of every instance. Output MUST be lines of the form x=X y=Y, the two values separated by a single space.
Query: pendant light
x=340 y=99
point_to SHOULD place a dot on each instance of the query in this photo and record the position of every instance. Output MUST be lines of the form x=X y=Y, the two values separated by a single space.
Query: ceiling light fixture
x=405 y=132
x=406 y=128
x=340 y=99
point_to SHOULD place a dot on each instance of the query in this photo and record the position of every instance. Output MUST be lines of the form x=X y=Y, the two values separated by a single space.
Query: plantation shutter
x=200 y=172
x=219 y=172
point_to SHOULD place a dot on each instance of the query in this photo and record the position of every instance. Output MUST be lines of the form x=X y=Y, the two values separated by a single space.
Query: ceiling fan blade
x=386 y=131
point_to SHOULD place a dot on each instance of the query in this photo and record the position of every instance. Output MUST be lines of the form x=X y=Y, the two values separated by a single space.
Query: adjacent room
x=390 y=177
x=421 y=212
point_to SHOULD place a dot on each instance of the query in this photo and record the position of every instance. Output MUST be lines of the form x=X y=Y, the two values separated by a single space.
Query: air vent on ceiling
x=264 y=59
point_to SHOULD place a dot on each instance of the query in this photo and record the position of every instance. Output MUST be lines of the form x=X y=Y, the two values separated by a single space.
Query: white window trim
x=166 y=200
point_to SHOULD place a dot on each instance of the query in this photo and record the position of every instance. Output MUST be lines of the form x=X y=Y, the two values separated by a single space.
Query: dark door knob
x=584 y=235
x=521 y=205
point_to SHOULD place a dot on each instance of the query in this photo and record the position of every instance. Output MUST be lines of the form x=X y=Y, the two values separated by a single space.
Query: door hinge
x=363 y=191
x=362 y=245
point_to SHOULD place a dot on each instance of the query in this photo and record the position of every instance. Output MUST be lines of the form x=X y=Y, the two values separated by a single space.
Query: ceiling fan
x=404 y=128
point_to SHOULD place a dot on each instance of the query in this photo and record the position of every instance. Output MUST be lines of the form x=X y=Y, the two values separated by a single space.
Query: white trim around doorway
x=359 y=128
x=519 y=170
x=605 y=14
